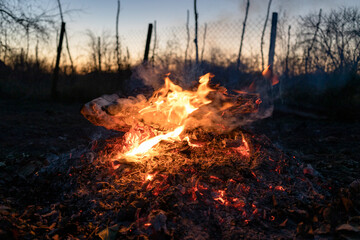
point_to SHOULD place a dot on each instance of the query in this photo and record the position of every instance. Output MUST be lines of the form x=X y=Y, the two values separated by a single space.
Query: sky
x=135 y=15
x=100 y=14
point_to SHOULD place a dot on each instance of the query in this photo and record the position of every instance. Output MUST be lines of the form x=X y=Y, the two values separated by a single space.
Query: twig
x=188 y=35
x=117 y=49
x=263 y=34
x=154 y=46
x=243 y=33
x=287 y=53
x=203 y=46
x=312 y=42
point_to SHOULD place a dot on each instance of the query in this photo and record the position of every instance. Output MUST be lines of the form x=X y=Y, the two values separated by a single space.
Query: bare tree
x=100 y=51
x=336 y=47
x=117 y=47
x=18 y=21
x=188 y=35
x=287 y=53
x=66 y=38
x=312 y=42
x=263 y=34
x=203 y=46
x=196 y=33
x=243 y=33
x=154 y=45
x=93 y=50
x=27 y=20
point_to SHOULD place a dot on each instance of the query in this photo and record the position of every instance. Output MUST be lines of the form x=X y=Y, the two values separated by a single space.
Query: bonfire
x=184 y=166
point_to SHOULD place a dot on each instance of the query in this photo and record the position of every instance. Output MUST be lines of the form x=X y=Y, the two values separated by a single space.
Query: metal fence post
x=272 y=40
x=147 y=46
x=56 y=70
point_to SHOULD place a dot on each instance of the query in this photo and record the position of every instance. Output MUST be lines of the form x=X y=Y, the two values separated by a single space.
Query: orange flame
x=171 y=105
x=267 y=73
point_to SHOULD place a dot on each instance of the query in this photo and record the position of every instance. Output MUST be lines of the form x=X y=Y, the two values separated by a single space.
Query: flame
x=170 y=106
x=148 y=144
x=177 y=104
x=267 y=73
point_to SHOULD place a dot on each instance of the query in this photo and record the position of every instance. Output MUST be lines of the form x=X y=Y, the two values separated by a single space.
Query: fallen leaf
x=323 y=229
x=348 y=227
x=109 y=233
x=347 y=203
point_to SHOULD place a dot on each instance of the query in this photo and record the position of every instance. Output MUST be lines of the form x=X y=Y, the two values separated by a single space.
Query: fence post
x=272 y=40
x=147 y=46
x=56 y=70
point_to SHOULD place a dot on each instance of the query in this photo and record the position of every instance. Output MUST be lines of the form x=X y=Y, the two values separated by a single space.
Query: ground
x=34 y=133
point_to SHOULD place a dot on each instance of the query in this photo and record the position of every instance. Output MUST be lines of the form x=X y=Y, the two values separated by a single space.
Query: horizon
x=98 y=18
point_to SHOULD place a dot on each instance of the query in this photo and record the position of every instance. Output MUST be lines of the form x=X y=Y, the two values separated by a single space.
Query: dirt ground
x=331 y=147
x=33 y=133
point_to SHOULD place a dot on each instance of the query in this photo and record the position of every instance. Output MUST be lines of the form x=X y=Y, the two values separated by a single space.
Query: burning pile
x=169 y=114
x=184 y=168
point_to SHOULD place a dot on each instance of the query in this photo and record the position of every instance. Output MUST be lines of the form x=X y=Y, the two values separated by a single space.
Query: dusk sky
x=99 y=15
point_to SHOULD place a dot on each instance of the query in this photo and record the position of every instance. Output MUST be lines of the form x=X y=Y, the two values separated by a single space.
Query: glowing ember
x=243 y=149
x=220 y=196
x=279 y=188
x=149 y=177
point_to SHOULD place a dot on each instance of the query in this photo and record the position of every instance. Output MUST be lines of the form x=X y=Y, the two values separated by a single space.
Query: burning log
x=112 y=112
x=120 y=114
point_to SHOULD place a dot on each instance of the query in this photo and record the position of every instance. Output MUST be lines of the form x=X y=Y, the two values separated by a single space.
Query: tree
x=336 y=46
x=243 y=33
x=262 y=36
x=117 y=44
x=19 y=17
x=196 y=34
x=100 y=51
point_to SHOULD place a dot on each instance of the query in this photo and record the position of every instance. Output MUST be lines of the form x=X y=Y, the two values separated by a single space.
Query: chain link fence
x=218 y=42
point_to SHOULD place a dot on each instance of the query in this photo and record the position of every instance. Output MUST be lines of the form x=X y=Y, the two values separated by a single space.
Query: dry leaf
x=348 y=227
x=109 y=233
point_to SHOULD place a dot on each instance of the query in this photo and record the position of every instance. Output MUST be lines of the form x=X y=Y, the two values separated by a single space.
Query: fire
x=170 y=106
x=267 y=73
x=148 y=144
x=243 y=149
x=175 y=103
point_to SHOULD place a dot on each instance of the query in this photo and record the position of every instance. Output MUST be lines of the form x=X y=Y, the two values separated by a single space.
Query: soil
x=34 y=134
